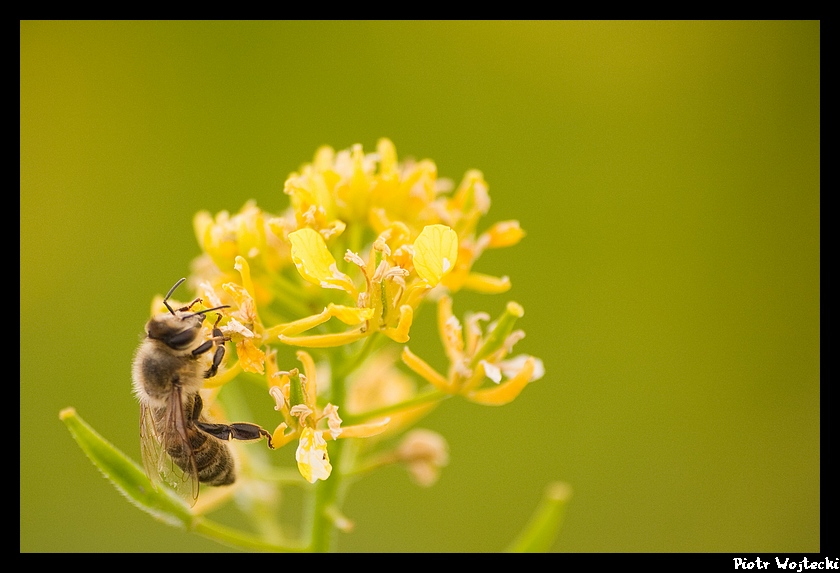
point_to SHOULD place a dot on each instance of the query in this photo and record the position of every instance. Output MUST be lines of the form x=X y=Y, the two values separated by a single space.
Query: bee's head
x=177 y=332
x=178 y=329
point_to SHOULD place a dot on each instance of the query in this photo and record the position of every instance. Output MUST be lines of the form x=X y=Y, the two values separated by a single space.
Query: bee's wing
x=151 y=449
x=169 y=434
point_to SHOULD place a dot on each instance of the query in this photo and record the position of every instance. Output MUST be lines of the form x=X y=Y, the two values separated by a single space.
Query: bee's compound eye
x=174 y=333
x=182 y=339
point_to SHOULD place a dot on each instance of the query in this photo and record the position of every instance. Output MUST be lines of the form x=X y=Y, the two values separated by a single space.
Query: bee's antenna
x=205 y=311
x=166 y=298
x=212 y=309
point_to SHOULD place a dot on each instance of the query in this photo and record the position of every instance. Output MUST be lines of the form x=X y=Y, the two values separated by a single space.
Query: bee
x=178 y=444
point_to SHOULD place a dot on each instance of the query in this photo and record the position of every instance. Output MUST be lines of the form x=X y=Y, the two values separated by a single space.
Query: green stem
x=290 y=296
x=371 y=342
x=541 y=532
x=327 y=497
x=419 y=400
x=328 y=493
x=373 y=462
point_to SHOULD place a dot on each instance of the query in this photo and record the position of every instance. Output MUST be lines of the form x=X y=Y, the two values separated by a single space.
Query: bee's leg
x=217 y=359
x=218 y=339
x=246 y=431
x=189 y=306
x=236 y=431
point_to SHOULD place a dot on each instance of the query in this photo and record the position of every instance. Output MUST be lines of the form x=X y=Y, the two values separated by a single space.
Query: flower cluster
x=337 y=279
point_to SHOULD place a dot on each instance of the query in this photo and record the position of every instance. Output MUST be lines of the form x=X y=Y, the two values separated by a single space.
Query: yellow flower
x=312 y=457
x=422 y=234
x=245 y=234
x=424 y=453
x=366 y=239
x=295 y=396
x=349 y=188
x=242 y=324
x=477 y=357
x=462 y=212
x=397 y=275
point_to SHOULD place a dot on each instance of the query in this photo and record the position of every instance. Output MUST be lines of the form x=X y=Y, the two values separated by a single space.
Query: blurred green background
x=667 y=175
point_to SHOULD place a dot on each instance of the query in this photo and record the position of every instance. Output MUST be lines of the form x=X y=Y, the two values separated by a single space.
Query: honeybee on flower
x=320 y=301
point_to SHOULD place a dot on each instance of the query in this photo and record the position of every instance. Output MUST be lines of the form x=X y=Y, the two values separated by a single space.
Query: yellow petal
x=244 y=269
x=280 y=438
x=471 y=195
x=387 y=155
x=415 y=292
x=400 y=332
x=312 y=457
x=378 y=219
x=299 y=325
x=350 y=315
x=504 y=234
x=250 y=229
x=435 y=252
x=423 y=368
x=486 y=284
x=215 y=238
x=506 y=392
x=450 y=330
x=202 y=221
x=309 y=371
x=246 y=307
x=324 y=157
x=323 y=340
x=315 y=263
x=361 y=430
x=333 y=421
x=333 y=229
x=251 y=358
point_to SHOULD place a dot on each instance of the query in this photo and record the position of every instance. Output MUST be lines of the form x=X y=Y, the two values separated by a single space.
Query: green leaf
x=163 y=504
x=126 y=475
x=540 y=533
